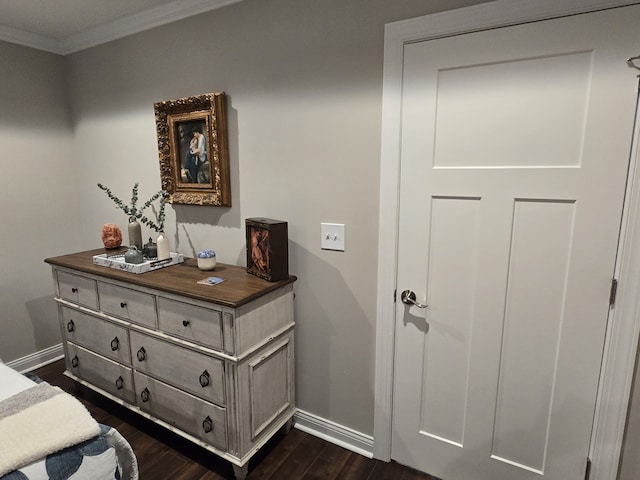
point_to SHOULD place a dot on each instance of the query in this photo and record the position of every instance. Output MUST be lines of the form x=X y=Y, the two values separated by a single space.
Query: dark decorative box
x=267 y=248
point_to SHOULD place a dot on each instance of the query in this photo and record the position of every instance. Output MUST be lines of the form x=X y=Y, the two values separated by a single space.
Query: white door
x=515 y=148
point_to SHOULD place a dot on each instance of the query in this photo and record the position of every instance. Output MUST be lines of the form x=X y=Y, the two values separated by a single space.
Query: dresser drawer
x=77 y=289
x=102 y=337
x=103 y=373
x=131 y=305
x=186 y=412
x=194 y=372
x=193 y=323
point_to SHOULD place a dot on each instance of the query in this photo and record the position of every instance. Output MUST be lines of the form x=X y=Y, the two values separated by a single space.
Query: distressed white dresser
x=213 y=363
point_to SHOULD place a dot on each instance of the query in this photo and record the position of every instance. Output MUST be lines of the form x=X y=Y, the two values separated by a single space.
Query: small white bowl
x=207 y=263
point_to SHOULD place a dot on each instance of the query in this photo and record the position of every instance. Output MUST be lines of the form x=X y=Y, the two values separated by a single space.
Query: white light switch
x=332 y=236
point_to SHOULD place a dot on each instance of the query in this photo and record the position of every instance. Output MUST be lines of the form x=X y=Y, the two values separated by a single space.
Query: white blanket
x=40 y=420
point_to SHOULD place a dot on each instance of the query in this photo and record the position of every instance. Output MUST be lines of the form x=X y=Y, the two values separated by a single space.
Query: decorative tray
x=150 y=264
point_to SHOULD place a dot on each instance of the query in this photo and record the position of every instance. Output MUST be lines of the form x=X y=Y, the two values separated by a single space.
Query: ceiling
x=67 y=26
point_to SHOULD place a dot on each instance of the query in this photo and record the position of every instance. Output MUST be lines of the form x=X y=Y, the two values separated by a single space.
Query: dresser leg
x=286 y=428
x=241 y=472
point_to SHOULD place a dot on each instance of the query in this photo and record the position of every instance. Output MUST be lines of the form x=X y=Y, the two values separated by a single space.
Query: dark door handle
x=204 y=379
x=144 y=395
x=207 y=425
x=142 y=354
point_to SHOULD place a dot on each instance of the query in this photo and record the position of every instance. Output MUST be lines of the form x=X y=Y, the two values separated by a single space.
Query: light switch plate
x=332 y=236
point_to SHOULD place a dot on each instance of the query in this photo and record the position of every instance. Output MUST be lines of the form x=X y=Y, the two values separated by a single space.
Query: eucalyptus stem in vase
x=164 y=251
x=136 y=216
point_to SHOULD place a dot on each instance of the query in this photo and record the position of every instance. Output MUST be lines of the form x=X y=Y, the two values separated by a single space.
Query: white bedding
x=12 y=382
x=39 y=421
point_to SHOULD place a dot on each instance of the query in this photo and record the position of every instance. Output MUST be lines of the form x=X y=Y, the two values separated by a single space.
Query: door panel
x=515 y=149
x=452 y=287
x=517 y=92
x=538 y=269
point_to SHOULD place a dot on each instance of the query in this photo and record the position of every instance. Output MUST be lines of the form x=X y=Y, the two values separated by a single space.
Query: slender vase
x=163 y=247
x=135 y=233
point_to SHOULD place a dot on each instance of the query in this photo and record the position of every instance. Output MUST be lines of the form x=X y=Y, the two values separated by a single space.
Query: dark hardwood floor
x=163 y=455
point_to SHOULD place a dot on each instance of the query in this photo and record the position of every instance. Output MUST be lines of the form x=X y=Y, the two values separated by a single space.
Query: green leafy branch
x=133 y=211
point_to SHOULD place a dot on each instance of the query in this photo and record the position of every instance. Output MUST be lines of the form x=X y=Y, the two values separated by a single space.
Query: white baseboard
x=340 y=435
x=37 y=359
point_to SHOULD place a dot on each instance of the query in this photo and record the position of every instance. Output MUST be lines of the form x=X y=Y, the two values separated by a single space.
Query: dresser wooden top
x=238 y=287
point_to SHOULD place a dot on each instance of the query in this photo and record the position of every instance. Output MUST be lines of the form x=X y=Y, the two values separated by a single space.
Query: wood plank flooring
x=163 y=455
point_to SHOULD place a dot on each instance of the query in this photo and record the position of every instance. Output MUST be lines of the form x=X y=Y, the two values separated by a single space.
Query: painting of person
x=198 y=149
x=260 y=249
x=193 y=152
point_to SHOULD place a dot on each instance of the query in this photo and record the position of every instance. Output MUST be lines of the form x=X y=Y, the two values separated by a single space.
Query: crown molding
x=28 y=39
x=114 y=30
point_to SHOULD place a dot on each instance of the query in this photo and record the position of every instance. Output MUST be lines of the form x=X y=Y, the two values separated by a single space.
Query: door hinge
x=587 y=470
x=614 y=291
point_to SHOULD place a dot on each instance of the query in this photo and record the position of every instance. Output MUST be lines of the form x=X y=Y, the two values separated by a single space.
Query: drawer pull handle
x=120 y=383
x=185 y=323
x=74 y=290
x=142 y=354
x=123 y=304
x=204 y=379
x=115 y=344
x=70 y=326
x=207 y=425
x=75 y=361
x=144 y=395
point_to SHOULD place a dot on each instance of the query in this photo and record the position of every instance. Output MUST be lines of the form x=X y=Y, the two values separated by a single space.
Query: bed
x=47 y=434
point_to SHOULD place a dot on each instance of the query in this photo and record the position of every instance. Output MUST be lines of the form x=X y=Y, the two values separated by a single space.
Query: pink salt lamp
x=111 y=235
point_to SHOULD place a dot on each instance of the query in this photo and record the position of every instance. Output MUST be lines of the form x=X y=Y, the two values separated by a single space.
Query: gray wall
x=38 y=195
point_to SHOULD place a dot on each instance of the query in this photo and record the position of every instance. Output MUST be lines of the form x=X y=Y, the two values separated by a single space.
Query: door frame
x=624 y=321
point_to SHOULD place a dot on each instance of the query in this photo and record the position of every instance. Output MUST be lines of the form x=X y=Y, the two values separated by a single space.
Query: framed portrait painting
x=193 y=150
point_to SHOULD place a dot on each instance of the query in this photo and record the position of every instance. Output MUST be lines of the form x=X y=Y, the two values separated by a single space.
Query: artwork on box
x=267 y=248
x=193 y=151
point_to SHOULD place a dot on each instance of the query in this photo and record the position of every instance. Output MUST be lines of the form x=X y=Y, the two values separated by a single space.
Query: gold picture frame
x=193 y=149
